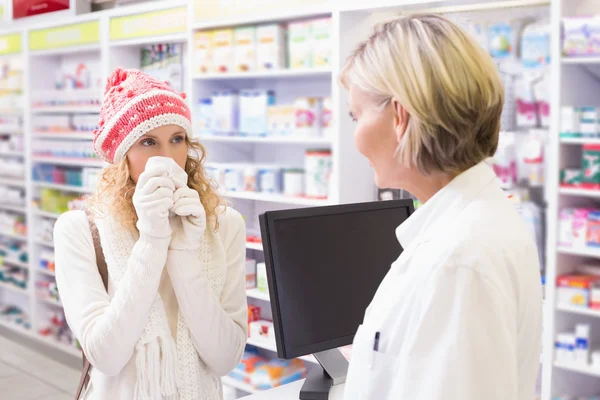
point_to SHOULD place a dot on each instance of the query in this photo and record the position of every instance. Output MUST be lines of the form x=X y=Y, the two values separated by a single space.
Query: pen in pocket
x=376 y=342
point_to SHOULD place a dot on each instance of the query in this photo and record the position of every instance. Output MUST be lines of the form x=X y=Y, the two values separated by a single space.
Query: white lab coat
x=460 y=312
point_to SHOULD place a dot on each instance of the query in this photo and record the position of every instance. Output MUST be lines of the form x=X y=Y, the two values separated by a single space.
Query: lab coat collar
x=443 y=207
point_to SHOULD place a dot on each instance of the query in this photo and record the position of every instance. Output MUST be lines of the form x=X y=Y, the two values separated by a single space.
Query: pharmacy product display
x=580 y=122
x=11 y=89
x=574 y=347
x=14 y=315
x=57 y=202
x=56 y=329
x=164 y=62
x=14 y=277
x=579 y=228
x=264 y=47
x=587 y=174
x=47 y=290
x=580 y=36
x=12 y=224
x=255 y=112
x=55 y=124
x=85 y=178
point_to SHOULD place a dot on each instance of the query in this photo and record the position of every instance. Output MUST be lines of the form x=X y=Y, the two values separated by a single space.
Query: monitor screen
x=324 y=267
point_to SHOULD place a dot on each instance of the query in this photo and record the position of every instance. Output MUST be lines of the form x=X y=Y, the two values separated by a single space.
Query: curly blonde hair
x=114 y=192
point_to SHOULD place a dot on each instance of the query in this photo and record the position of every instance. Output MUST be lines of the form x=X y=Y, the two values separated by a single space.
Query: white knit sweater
x=213 y=303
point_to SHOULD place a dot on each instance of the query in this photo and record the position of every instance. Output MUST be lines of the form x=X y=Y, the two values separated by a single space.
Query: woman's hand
x=153 y=198
x=189 y=222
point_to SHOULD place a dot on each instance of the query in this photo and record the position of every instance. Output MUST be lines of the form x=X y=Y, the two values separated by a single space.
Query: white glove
x=153 y=198
x=189 y=223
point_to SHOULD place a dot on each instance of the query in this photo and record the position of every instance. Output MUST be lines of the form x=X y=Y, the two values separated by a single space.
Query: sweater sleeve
x=219 y=326
x=107 y=328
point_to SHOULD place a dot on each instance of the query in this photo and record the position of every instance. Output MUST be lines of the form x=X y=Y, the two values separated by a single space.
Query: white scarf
x=166 y=369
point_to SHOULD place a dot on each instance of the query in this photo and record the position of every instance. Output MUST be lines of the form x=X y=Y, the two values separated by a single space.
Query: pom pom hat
x=134 y=104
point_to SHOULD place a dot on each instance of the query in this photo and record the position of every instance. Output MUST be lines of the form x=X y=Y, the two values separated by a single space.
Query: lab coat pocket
x=371 y=373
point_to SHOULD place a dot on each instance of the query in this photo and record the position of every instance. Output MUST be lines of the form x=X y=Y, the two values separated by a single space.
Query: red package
x=576 y=281
x=253 y=314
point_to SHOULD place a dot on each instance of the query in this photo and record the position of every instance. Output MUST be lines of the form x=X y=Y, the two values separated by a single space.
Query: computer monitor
x=324 y=266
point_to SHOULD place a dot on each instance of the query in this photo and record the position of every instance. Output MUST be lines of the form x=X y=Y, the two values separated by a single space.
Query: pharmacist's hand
x=189 y=222
x=153 y=198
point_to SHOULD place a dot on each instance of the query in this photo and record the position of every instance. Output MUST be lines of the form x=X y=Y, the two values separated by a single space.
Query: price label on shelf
x=154 y=23
x=10 y=44
x=65 y=36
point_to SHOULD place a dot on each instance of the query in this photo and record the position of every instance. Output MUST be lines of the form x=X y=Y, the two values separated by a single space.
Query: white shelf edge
x=256 y=294
x=254 y=246
x=44 y=243
x=74 y=135
x=13 y=288
x=90 y=48
x=45 y=271
x=11 y=111
x=46 y=214
x=580 y=60
x=16 y=328
x=579 y=310
x=263 y=17
x=586 y=252
x=275 y=198
x=579 y=141
x=12 y=182
x=12 y=153
x=76 y=162
x=487 y=6
x=234 y=383
x=273 y=74
x=60 y=346
x=582 y=369
x=18 y=264
x=266 y=140
x=16 y=209
x=66 y=110
x=579 y=192
x=12 y=131
x=49 y=301
x=13 y=236
x=172 y=38
x=68 y=188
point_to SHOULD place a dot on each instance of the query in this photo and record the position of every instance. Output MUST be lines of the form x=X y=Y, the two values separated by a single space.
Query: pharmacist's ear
x=401 y=118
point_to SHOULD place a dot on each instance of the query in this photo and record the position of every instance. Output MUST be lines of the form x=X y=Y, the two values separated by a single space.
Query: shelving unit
x=267 y=140
x=579 y=310
x=16 y=209
x=66 y=188
x=579 y=192
x=13 y=288
x=595 y=372
x=275 y=74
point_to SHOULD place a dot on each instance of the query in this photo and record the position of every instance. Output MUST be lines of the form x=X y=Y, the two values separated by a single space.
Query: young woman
x=458 y=316
x=175 y=316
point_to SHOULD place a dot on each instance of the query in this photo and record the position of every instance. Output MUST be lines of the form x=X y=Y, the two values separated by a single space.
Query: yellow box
x=203 y=52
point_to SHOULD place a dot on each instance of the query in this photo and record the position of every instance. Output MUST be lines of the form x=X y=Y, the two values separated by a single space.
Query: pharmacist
x=458 y=317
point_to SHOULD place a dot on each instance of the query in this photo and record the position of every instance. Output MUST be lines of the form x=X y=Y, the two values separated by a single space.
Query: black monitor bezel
x=270 y=251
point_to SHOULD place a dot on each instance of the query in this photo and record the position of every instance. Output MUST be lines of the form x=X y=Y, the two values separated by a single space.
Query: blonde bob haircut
x=448 y=84
x=115 y=189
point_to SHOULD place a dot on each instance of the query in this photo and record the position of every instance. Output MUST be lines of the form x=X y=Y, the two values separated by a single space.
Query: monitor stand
x=319 y=381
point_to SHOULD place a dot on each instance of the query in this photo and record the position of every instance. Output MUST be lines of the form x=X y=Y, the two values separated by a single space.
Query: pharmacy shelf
x=579 y=310
x=11 y=131
x=173 y=38
x=582 y=369
x=11 y=111
x=579 y=192
x=266 y=345
x=70 y=135
x=52 y=302
x=17 y=209
x=10 y=263
x=67 y=50
x=69 y=162
x=13 y=288
x=265 y=16
x=66 y=188
x=239 y=385
x=16 y=328
x=580 y=60
x=44 y=243
x=276 y=198
x=12 y=154
x=267 y=140
x=60 y=346
x=66 y=110
x=583 y=252
x=257 y=294
x=11 y=235
x=254 y=246
x=46 y=272
x=274 y=74
x=12 y=182
x=46 y=214
x=579 y=141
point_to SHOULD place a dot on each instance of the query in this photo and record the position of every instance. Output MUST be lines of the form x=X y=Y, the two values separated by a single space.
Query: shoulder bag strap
x=103 y=271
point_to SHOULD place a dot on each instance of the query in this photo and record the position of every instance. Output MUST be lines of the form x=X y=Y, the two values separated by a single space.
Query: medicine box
x=321 y=43
x=569 y=122
x=223 y=56
x=261 y=278
x=593 y=229
x=300 y=45
x=250 y=273
x=574 y=290
x=203 y=43
x=245 y=49
x=270 y=51
x=591 y=166
x=262 y=330
x=225 y=112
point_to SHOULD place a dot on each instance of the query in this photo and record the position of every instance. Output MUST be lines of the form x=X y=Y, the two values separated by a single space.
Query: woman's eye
x=352 y=116
x=147 y=142
x=178 y=139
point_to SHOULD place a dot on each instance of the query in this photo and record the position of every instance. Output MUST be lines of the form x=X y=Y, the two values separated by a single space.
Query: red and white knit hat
x=134 y=104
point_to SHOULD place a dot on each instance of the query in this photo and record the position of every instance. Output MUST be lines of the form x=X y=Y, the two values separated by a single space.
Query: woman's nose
x=165 y=151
